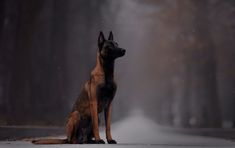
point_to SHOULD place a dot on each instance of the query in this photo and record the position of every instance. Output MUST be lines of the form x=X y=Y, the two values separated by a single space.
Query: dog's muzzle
x=123 y=51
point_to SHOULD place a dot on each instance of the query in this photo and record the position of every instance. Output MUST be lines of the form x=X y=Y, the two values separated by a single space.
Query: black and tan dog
x=96 y=96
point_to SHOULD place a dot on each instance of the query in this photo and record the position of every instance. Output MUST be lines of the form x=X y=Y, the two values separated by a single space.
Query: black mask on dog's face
x=109 y=49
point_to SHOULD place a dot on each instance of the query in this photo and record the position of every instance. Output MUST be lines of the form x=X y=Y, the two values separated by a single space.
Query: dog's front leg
x=94 y=114
x=107 y=114
x=94 y=117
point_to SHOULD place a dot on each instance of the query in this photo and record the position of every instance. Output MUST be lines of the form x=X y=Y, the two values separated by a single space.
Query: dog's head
x=109 y=49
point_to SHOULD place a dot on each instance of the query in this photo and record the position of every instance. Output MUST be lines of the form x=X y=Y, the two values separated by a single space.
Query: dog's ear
x=110 y=36
x=101 y=39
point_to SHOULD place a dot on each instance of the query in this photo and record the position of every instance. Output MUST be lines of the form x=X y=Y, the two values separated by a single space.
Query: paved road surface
x=140 y=132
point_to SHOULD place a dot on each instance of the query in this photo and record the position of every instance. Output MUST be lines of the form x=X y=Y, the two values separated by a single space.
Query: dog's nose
x=123 y=51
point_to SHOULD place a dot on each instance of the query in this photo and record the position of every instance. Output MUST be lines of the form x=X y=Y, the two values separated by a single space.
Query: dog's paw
x=99 y=141
x=91 y=142
x=111 y=141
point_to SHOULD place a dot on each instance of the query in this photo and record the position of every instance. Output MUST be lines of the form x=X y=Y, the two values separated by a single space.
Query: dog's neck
x=104 y=68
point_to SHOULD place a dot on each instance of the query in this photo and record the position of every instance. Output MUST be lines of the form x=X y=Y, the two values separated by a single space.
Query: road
x=137 y=131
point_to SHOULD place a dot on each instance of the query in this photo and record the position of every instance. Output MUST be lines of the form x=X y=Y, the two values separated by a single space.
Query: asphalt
x=135 y=131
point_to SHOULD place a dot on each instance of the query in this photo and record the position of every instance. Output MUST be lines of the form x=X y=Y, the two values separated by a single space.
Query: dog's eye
x=110 y=47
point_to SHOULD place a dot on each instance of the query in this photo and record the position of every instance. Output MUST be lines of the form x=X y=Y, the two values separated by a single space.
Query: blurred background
x=179 y=69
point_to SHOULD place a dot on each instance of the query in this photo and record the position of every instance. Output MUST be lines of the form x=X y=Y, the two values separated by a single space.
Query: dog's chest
x=105 y=94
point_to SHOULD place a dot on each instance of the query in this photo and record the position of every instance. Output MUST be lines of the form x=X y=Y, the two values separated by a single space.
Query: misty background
x=179 y=68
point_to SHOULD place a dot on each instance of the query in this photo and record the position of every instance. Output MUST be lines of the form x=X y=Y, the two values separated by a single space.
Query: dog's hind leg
x=72 y=127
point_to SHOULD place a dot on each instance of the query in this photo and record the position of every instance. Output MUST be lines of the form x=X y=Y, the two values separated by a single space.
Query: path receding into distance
x=137 y=131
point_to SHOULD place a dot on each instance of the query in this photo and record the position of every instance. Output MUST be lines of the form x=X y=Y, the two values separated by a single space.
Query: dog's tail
x=50 y=141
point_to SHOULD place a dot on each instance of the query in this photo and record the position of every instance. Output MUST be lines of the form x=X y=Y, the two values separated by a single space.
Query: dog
x=95 y=97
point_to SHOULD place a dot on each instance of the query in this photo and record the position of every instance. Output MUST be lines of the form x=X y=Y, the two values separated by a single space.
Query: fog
x=178 y=69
